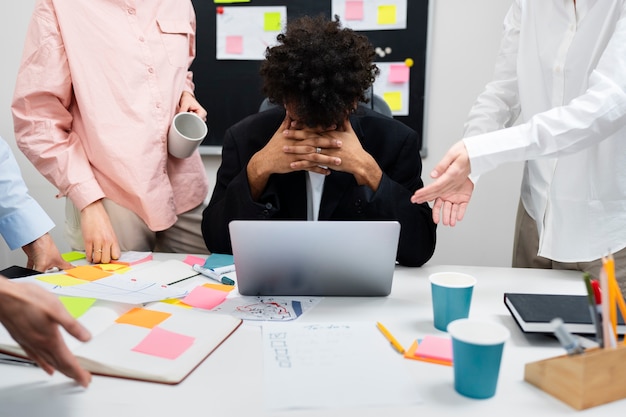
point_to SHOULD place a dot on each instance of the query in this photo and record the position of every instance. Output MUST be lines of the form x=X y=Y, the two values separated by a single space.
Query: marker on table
x=209 y=273
x=397 y=346
x=570 y=343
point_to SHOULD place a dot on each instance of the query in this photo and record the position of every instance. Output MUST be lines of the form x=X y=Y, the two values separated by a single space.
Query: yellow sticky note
x=176 y=302
x=230 y=1
x=73 y=256
x=62 y=280
x=77 y=306
x=112 y=267
x=143 y=317
x=220 y=287
x=387 y=15
x=394 y=100
x=271 y=22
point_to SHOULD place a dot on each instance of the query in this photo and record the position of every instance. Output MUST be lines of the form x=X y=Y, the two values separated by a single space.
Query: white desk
x=229 y=382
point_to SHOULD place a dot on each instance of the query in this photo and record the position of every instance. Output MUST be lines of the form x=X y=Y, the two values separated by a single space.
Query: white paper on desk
x=119 y=288
x=331 y=365
x=267 y=308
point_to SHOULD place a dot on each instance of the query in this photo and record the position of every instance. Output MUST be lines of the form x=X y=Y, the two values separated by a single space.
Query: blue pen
x=209 y=273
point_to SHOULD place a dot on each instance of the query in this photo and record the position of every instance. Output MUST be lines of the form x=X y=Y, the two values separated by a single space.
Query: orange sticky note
x=143 y=317
x=87 y=272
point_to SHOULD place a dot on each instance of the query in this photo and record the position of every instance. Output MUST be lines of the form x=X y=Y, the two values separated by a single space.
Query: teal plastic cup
x=476 y=355
x=451 y=297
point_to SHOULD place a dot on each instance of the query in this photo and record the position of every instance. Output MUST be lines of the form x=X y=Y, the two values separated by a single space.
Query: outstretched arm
x=32 y=316
x=452 y=189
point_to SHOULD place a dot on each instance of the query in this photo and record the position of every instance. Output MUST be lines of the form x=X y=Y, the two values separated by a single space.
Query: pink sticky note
x=354 y=10
x=435 y=347
x=191 y=260
x=164 y=344
x=203 y=297
x=398 y=73
x=234 y=45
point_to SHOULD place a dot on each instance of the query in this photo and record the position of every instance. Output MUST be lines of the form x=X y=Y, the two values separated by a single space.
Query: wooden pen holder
x=595 y=377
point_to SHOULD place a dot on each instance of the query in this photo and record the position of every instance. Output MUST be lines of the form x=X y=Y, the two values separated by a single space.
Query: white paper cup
x=185 y=135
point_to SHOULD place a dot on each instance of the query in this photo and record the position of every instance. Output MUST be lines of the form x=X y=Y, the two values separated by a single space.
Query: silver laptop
x=314 y=258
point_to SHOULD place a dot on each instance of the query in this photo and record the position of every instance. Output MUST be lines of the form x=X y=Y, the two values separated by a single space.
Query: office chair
x=376 y=103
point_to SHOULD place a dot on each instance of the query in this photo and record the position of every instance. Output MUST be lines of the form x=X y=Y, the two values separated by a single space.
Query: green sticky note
x=73 y=256
x=77 y=306
x=230 y=1
x=271 y=22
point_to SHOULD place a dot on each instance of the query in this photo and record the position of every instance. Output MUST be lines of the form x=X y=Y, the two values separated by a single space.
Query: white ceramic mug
x=185 y=135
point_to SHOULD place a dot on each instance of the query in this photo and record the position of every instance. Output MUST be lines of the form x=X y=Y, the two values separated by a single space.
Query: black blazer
x=392 y=144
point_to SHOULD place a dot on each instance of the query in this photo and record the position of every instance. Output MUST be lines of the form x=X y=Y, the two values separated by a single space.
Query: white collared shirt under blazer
x=559 y=90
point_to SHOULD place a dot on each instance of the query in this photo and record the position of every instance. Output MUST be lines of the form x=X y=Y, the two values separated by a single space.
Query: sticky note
x=73 y=256
x=88 y=273
x=111 y=267
x=219 y=287
x=143 y=317
x=435 y=347
x=77 y=306
x=164 y=344
x=387 y=15
x=394 y=100
x=398 y=73
x=193 y=260
x=354 y=10
x=271 y=22
x=203 y=297
x=217 y=260
x=62 y=280
x=176 y=302
x=234 y=45
x=230 y=1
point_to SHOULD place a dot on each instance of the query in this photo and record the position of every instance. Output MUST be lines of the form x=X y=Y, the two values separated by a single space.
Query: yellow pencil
x=390 y=337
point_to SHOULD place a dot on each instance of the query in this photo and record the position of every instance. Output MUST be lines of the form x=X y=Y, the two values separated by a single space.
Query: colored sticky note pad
x=143 y=317
x=398 y=73
x=164 y=344
x=194 y=260
x=73 y=256
x=88 y=273
x=394 y=100
x=230 y=1
x=271 y=22
x=354 y=10
x=387 y=15
x=410 y=353
x=217 y=260
x=234 y=45
x=203 y=297
x=77 y=306
x=435 y=347
x=62 y=280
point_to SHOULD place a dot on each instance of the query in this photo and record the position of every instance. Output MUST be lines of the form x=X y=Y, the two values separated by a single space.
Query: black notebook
x=533 y=312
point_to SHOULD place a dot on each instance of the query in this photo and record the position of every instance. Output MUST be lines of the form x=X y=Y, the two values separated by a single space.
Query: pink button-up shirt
x=99 y=83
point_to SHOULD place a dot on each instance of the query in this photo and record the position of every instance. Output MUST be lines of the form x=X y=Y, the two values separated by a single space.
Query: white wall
x=464 y=39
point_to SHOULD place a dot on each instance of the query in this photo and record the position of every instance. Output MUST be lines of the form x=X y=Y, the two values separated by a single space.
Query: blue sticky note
x=216 y=260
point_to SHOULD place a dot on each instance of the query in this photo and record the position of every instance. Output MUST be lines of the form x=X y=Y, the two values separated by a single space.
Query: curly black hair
x=319 y=69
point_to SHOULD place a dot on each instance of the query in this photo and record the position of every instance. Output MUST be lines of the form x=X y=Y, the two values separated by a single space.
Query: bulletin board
x=226 y=68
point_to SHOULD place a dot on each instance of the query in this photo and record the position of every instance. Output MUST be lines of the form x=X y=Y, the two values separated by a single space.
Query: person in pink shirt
x=98 y=86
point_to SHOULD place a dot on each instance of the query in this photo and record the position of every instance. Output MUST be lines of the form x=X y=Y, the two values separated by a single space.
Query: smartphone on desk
x=16 y=271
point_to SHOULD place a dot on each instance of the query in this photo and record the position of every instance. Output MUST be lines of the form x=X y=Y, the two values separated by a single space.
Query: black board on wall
x=231 y=89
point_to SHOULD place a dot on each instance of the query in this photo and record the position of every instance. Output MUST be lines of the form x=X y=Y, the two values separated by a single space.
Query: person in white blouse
x=558 y=102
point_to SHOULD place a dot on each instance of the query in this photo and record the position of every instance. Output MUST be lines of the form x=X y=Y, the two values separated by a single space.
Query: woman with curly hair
x=317 y=155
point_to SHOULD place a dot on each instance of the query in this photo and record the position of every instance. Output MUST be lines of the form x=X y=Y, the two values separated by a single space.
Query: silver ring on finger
x=318 y=150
